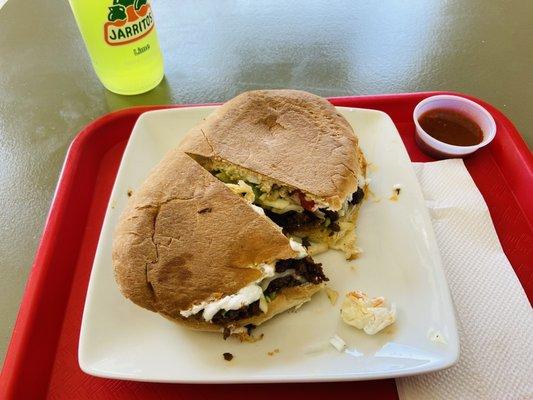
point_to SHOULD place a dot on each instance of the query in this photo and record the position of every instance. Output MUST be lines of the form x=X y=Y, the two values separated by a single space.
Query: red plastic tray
x=42 y=357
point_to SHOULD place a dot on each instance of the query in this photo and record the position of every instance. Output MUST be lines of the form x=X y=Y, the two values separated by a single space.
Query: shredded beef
x=226 y=333
x=305 y=267
x=280 y=283
x=332 y=215
x=357 y=196
x=250 y=328
x=292 y=221
x=225 y=317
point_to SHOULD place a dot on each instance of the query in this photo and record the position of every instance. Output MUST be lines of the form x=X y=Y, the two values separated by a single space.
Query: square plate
x=400 y=261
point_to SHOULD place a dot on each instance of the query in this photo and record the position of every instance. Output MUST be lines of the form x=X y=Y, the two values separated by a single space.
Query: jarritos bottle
x=122 y=42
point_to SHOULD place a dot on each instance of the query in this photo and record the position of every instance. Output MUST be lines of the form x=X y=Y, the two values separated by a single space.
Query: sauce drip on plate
x=451 y=127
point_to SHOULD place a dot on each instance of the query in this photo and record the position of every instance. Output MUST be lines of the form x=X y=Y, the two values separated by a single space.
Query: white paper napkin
x=494 y=315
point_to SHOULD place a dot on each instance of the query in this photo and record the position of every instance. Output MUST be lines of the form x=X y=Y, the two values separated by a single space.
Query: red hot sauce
x=451 y=127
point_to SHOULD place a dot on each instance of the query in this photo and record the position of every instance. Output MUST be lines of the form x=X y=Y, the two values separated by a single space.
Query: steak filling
x=305 y=271
x=293 y=221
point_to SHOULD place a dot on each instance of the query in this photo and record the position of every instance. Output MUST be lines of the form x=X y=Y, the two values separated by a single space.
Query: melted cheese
x=279 y=205
x=242 y=188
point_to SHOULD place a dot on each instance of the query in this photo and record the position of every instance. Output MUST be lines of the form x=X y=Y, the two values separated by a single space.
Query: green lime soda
x=122 y=42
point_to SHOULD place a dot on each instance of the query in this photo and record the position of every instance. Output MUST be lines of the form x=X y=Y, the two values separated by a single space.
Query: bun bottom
x=286 y=299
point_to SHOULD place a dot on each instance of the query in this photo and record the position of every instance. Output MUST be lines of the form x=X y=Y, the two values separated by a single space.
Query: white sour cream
x=245 y=296
x=297 y=247
x=258 y=210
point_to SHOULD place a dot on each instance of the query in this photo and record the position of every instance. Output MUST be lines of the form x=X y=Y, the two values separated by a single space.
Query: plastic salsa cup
x=469 y=109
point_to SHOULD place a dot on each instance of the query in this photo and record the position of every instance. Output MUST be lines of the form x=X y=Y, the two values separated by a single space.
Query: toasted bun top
x=291 y=136
x=185 y=238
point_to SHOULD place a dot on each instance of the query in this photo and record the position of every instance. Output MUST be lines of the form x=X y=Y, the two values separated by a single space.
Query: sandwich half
x=292 y=154
x=190 y=249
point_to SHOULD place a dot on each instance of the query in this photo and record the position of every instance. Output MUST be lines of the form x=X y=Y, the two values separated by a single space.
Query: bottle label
x=128 y=21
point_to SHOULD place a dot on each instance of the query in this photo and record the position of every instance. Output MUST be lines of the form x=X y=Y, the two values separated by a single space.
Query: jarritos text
x=128 y=21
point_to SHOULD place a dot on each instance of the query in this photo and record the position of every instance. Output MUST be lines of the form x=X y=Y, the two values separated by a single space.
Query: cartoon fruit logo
x=127 y=21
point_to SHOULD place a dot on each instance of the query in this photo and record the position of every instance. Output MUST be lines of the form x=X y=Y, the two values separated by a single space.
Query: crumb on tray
x=245 y=337
x=396 y=190
x=271 y=353
x=333 y=295
x=227 y=356
x=436 y=337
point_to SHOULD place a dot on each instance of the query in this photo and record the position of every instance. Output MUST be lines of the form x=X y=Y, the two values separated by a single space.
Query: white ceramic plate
x=401 y=261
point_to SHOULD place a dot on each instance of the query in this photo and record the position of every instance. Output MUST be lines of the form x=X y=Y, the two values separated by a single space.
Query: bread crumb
x=227 y=356
x=245 y=337
x=436 y=337
x=271 y=353
x=357 y=252
x=129 y=192
x=113 y=204
x=356 y=255
x=396 y=190
x=371 y=167
x=333 y=295
x=353 y=267
x=316 y=248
